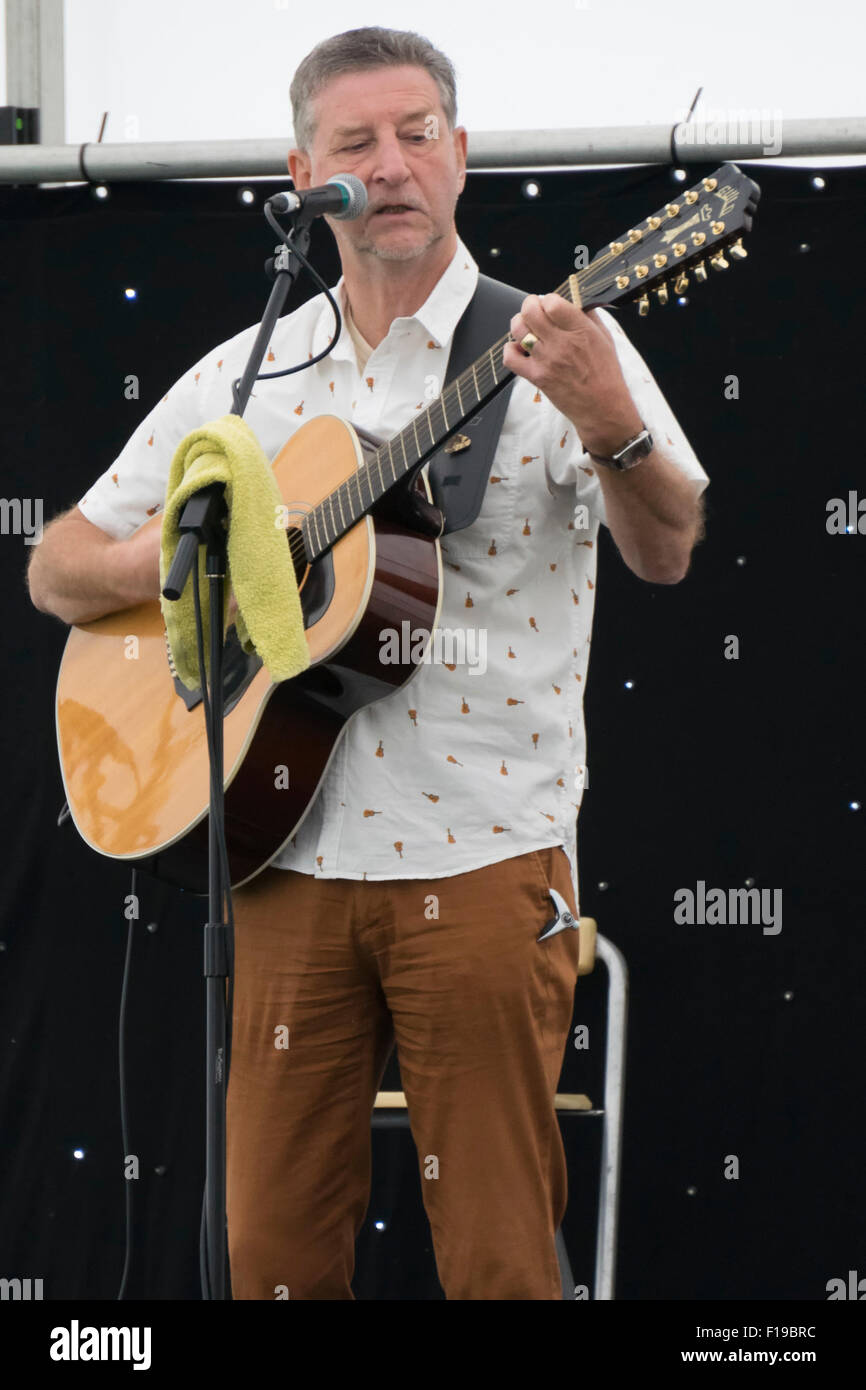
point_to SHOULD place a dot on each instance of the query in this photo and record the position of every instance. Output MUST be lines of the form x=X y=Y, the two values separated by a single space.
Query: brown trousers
x=328 y=974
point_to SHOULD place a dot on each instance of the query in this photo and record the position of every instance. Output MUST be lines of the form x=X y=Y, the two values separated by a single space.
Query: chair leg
x=564 y=1266
x=614 y=1098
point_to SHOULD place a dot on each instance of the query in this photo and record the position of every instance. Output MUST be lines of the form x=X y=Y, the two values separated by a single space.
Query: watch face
x=628 y=457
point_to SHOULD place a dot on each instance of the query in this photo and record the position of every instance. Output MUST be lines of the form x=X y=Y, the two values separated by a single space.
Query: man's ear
x=460 y=154
x=299 y=168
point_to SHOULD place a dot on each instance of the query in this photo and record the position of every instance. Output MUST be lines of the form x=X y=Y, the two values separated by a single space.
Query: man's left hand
x=575 y=364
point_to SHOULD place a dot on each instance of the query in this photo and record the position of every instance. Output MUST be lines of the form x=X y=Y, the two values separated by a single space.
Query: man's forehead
x=418 y=115
x=352 y=100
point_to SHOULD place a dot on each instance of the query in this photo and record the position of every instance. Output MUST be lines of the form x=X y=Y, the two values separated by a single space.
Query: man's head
x=381 y=104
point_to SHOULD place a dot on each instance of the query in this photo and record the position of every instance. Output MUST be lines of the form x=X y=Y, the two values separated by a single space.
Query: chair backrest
x=587 y=934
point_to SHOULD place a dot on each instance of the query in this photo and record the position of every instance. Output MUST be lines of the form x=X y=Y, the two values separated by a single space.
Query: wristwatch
x=631 y=453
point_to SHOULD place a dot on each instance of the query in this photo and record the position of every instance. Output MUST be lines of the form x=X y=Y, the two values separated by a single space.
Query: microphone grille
x=357 y=196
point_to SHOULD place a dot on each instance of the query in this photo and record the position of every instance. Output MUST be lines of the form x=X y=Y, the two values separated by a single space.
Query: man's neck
x=381 y=291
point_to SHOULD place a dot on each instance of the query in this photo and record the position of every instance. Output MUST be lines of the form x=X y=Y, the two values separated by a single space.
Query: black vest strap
x=458 y=480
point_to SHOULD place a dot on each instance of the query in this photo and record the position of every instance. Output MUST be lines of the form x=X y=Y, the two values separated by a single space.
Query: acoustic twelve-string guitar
x=362 y=533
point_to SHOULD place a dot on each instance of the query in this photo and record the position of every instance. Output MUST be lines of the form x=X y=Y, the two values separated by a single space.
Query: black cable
x=311 y=270
x=676 y=126
x=121 y=1067
x=203 y=1271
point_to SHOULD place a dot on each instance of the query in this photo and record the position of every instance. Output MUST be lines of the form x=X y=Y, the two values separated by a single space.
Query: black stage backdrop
x=740 y=1043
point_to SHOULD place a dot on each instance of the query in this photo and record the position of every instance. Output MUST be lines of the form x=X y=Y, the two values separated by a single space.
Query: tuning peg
x=700 y=272
x=681 y=283
x=643 y=305
x=662 y=292
x=718 y=261
x=738 y=250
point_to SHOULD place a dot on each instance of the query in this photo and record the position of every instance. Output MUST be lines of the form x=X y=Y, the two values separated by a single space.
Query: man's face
x=387 y=127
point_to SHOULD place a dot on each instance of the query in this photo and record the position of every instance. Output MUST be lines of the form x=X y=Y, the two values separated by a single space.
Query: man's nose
x=390 y=163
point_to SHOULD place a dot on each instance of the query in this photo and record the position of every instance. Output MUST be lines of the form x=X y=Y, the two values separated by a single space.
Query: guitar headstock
x=678 y=241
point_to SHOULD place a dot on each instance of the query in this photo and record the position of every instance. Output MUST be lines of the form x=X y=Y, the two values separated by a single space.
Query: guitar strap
x=458 y=479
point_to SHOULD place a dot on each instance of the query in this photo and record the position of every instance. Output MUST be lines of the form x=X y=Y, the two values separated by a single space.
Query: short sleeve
x=132 y=488
x=572 y=465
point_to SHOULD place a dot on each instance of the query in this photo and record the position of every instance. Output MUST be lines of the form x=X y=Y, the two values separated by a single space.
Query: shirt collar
x=438 y=315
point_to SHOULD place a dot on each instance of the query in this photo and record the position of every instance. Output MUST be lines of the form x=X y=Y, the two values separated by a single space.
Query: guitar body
x=133 y=753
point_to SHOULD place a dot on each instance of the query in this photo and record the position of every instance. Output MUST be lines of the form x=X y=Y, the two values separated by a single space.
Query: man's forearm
x=654 y=516
x=653 y=512
x=78 y=574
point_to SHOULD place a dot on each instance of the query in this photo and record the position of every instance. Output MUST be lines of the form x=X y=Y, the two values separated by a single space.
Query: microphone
x=343 y=196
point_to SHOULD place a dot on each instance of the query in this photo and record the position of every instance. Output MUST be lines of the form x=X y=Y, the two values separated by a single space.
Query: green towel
x=259 y=570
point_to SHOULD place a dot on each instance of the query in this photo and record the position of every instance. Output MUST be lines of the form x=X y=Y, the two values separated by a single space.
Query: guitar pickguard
x=317 y=592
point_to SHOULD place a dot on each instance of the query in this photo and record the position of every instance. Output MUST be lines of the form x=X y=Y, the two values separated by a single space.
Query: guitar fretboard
x=654 y=257
x=418 y=441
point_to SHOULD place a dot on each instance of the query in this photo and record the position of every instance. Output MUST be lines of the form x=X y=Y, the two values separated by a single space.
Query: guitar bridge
x=239 y=669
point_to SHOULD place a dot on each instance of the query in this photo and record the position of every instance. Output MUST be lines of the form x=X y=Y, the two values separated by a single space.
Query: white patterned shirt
x=482 y=755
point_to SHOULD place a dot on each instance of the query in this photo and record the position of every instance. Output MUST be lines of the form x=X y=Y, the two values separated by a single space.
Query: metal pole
x=697 y=143
x=35 y=73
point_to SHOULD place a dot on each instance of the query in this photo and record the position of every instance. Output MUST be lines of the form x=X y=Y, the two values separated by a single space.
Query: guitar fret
x=415 y=432
x=475 y=379
x=442 y=407
x=493 y=365
x=363 y=477
x=314 y=517
x=377 y=460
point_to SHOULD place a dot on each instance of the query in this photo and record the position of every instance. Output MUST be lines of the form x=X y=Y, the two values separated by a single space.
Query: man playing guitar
x=410 y=903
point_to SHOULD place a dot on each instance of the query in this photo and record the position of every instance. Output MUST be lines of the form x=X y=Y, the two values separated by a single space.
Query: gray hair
x=362 y=50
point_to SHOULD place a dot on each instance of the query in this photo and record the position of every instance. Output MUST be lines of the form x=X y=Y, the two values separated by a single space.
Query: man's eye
x=352 y=149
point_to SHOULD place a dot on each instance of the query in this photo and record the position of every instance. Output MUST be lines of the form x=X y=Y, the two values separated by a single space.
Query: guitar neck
x=655 y=257
x=458 y=402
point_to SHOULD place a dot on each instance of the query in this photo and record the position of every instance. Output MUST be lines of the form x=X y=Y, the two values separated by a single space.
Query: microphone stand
x=204 y=522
